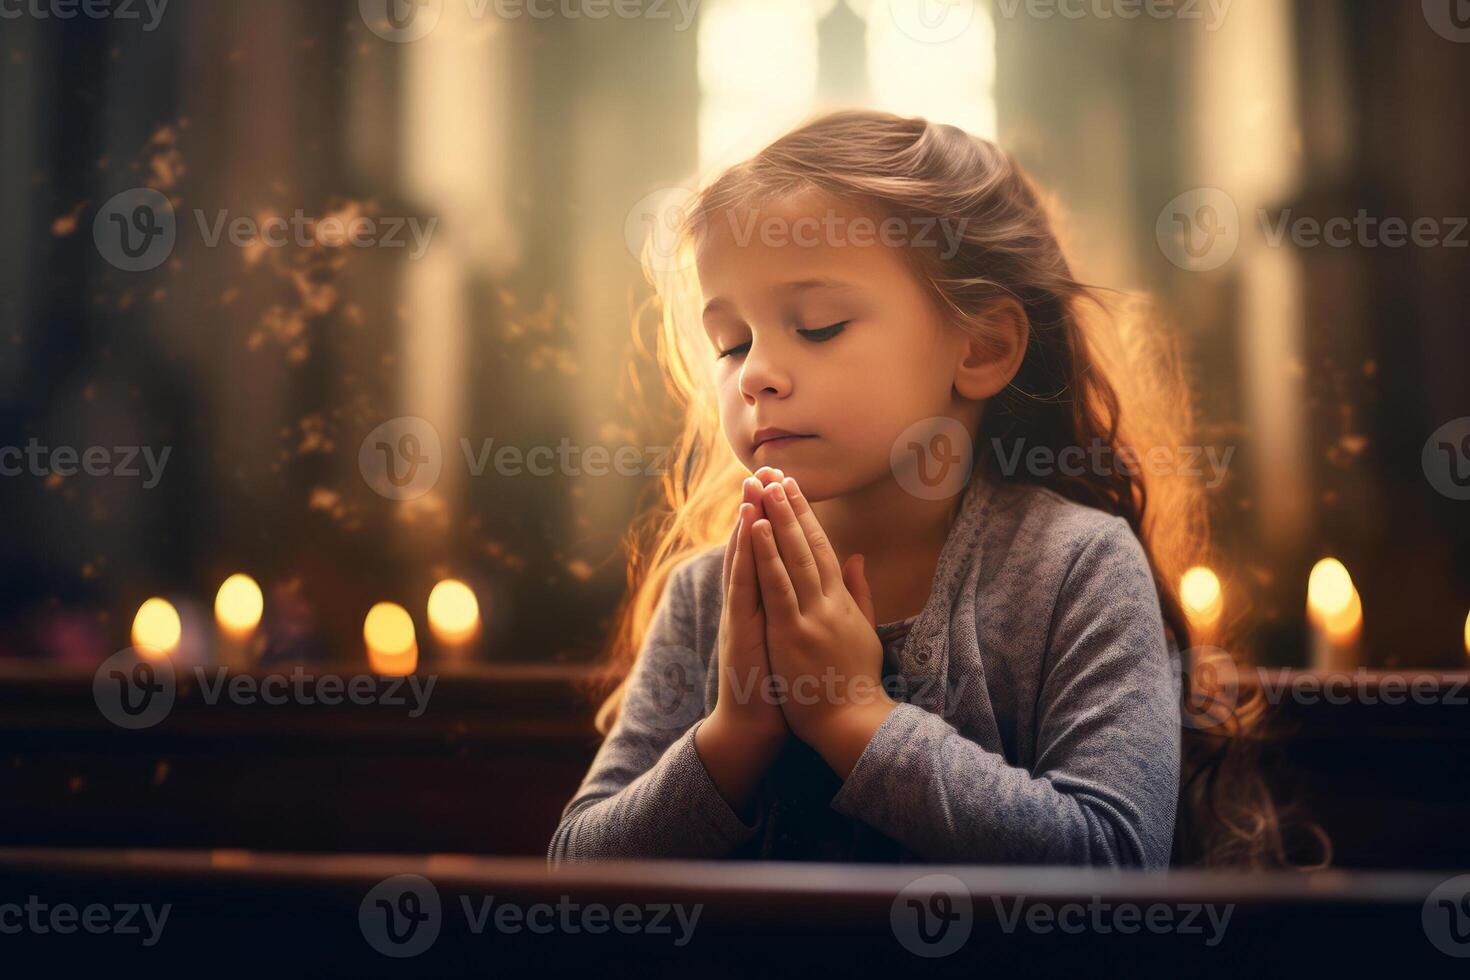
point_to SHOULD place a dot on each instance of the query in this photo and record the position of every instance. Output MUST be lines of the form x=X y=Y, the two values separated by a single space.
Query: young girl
x=934 y=624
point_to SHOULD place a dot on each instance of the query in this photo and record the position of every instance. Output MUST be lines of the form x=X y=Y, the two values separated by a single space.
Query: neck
x=899 y=535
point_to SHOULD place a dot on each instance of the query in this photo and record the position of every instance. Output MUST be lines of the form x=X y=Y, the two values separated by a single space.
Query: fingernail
x=791 y=486
x=777 y=491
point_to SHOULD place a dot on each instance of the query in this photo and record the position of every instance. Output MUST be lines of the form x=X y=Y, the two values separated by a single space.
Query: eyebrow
x=820 y=282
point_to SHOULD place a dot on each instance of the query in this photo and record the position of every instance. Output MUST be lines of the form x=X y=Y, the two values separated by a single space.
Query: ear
x=986 y=366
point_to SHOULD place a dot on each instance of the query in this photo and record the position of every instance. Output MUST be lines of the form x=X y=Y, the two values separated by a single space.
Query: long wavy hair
x=1098 y=367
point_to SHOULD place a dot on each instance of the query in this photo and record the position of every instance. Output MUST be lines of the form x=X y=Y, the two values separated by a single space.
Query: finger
x=778 y=596
x=729 y=557
x=828 y=567
x=854 y=575
x=796 y=552
x=750 y=491
x=768 y=474
x=742 y=597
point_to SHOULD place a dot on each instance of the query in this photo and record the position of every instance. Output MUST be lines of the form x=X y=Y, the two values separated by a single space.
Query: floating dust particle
x=579 y=569
x=314 y=438
x=67 y=223
x=75 y=784
x=160 y=772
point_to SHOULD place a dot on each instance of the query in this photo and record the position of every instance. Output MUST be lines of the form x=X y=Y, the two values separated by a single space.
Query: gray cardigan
x=1040 y=722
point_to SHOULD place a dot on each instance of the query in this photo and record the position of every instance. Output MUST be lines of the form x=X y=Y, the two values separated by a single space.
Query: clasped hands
x=798 y=649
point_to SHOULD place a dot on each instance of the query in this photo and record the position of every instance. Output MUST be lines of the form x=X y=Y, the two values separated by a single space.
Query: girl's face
x=818 y=326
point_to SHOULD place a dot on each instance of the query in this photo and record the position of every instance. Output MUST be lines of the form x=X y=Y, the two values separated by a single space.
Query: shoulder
x=694 y=589
x=1052 y=536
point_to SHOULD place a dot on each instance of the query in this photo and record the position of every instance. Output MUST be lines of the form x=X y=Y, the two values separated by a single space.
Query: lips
x=777 y=437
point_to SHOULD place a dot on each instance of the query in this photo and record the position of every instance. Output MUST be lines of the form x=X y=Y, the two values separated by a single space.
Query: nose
x=760 y=375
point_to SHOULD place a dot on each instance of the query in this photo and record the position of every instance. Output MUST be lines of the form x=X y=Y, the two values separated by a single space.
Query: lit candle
x=454 y=616
x=156 y=629
x=392 y=647
x=1335 y=615
x=1203 y=600
x=237 y=610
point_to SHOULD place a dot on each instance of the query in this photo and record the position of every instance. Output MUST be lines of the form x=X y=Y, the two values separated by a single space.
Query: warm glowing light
x=391 y=645
x=238 y=605
x=1467 y=633
x=1330 y=591
x=758 y=66
x=1345 y=623
x=454 y=613
x=1202 y=596
x=156 y=629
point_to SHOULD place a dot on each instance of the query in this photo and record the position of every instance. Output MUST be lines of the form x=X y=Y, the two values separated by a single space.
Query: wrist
x=727 y=728
x=845 y=732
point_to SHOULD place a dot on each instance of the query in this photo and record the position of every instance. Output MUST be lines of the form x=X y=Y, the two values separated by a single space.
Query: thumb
x=857 y=584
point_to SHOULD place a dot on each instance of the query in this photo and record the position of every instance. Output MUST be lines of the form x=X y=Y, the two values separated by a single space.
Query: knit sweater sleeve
x=1104 y=787
x=648 y=793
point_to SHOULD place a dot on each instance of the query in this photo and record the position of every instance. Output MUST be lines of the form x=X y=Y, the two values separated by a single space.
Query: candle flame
x=1200 y=592
x=238 y=605
x=454 y=613
x=1330 y=591
x=156 y=629
x=391 y=644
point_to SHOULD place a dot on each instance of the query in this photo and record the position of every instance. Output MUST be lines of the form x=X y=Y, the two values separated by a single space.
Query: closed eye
x=818 y=335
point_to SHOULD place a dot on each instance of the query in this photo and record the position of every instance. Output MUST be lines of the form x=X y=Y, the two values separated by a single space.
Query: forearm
x=946 y=798
x=673 y=809
x=735 y=760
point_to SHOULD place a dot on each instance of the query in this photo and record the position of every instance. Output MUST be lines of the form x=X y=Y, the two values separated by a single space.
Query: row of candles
x=388 y=632
x=1334 y=612
x=1334 y=616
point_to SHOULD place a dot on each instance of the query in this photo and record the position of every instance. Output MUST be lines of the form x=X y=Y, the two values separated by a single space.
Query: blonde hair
x=1097 y=367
